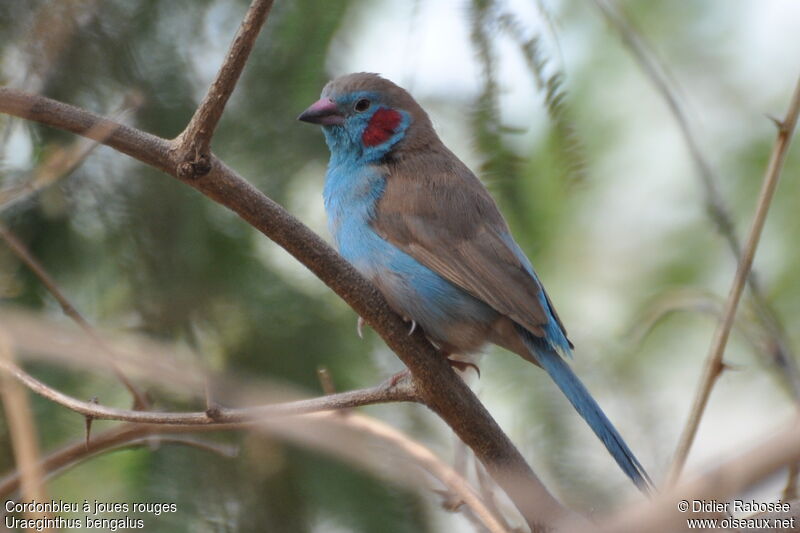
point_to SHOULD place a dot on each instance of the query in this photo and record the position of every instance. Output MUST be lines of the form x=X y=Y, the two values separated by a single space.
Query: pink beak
x=324 y=112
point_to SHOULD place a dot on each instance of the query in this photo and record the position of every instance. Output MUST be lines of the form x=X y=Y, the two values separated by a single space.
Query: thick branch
x=195 y=141
x=713 y=365
x=436 y=384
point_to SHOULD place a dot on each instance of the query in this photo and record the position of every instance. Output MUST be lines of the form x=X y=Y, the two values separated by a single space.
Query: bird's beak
x=324 y=112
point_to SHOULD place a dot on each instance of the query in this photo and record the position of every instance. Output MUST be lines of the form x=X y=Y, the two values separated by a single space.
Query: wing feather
x=446 y=219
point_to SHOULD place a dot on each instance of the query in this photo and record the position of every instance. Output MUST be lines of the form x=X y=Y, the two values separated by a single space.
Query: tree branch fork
x=435 y=384
x=189 y=159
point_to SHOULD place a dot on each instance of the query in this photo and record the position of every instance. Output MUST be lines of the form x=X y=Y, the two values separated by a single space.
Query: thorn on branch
x=88 y=423
x=725 y=367
x=450 y=501
x=194 y=168
x=775 y=120
x=325 y=380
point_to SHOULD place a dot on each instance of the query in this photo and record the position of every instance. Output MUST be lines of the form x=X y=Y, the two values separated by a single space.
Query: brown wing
x=438 y=212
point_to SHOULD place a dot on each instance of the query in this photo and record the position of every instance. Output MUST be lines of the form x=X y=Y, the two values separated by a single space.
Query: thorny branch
x=735 y=475
x=386 y=392
x=120 y=436
x=713 y=366
x=437 y=386
x=21 y=251
x=779 y=348
x=153 y=423
x=195 y=141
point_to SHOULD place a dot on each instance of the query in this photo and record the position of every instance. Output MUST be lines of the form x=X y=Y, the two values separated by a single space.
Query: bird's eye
x=361 y=105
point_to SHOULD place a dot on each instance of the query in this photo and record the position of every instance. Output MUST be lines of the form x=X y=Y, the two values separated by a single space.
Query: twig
x=389 y=391
x=61 y=162
x=436 y=384
x=109 y=440
x=713 y=366
x=21 y=251
x=224 y=451
x=195 y=141
x=718 y=484
x=386 y=392
x=22 y=430
x=689 y=301
x=134 y=434
x=454 y=482
x=715 y=205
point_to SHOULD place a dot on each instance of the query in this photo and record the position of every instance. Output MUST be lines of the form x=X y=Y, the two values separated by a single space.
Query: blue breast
x=351 y=196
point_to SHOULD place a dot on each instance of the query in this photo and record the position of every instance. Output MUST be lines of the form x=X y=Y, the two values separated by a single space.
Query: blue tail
x=583 y=402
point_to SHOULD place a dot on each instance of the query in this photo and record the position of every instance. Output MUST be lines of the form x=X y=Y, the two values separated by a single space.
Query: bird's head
x=368 y=116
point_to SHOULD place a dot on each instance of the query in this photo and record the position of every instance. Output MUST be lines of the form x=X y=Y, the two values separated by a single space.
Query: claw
x=413 y=327
x=360 y=328
x=464 y=365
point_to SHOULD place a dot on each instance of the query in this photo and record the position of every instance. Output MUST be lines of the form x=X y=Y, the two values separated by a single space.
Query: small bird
x=413 y=219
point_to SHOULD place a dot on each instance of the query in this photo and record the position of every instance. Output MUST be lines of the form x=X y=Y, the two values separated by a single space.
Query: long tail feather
x=587 y=407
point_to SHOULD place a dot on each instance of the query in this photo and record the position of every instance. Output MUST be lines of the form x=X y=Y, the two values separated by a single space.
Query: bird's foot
x=464 y=365
x=413 y=327
x=360 y=328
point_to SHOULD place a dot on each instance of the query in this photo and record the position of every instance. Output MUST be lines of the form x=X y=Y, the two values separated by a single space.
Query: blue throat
x=353 y=184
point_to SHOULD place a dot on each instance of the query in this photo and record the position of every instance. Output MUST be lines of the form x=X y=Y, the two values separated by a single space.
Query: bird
x=419 y=224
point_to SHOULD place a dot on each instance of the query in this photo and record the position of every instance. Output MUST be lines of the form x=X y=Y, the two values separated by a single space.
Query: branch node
x=725 y=367
x=450 y=501
x=214 y=412
x=193 y=168
x=780 y=124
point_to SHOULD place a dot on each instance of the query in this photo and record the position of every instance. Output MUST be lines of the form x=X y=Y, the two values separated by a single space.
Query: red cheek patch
x=381 y=127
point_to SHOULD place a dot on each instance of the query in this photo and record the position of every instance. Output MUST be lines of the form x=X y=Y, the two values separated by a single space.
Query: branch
x=432 y=464
x=129 y=434
x=22 y=430
x=195 y=141
x=436 y=384
x=21 y=251
x=121 y=436
x=721 y=483
x=61 y=162
x=386 y=392
x=715 y=205
x=713 y=366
